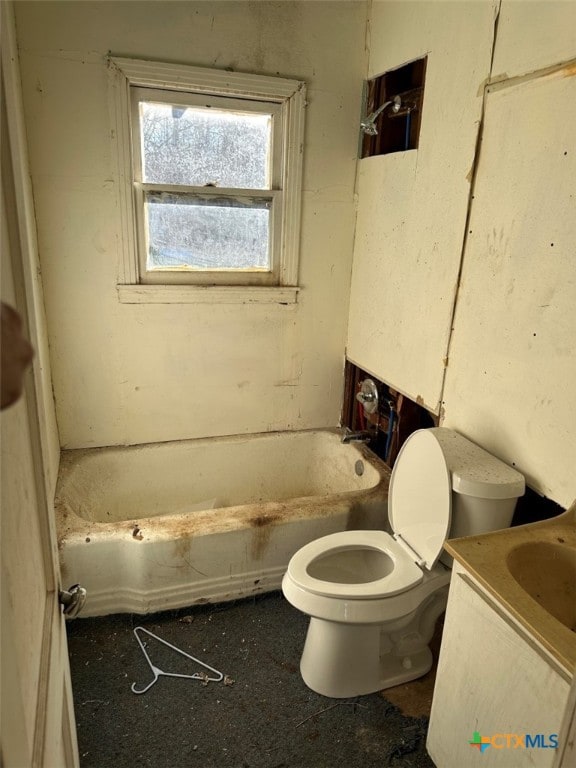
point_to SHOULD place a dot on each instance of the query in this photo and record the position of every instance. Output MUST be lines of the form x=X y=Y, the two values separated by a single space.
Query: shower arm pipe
x=368 y=124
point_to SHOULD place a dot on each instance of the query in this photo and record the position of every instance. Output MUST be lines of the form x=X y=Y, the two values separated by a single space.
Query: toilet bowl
x=373 y=597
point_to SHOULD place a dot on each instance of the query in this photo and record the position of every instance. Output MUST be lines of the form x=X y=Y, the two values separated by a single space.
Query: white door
x=36 y=712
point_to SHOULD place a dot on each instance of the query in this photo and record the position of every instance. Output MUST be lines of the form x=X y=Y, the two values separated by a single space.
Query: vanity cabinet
x=493 y=681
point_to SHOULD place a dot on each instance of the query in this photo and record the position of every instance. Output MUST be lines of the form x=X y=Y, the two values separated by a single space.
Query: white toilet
x=374 y=598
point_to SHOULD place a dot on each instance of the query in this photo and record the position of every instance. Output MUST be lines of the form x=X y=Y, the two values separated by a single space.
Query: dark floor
x=264 y=717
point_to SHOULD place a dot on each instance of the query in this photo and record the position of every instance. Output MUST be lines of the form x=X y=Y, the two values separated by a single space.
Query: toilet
x=374 y=597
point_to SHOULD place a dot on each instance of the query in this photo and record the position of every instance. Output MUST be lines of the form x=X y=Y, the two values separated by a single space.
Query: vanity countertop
x=525 y=568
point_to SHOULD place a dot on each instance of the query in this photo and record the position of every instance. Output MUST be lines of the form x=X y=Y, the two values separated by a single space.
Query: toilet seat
x=403 y=575
x=367 y=565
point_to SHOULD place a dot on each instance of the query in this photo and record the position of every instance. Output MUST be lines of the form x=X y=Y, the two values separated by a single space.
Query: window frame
x=287 y=100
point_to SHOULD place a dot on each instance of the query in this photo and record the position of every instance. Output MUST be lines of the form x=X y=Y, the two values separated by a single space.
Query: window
x=210 y=167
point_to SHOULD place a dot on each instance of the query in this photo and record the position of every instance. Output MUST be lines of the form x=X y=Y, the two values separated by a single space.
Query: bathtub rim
x=72 y=527
x=70 y=457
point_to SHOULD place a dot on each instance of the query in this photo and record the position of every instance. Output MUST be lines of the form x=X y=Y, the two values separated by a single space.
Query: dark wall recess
x=396 y=418
x=532 y=507
x=397 y=130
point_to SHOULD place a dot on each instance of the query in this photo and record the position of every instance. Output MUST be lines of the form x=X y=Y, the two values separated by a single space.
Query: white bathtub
x=154 y=527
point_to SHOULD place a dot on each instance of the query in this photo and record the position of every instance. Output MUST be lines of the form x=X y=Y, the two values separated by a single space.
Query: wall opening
x=395 y=418
x=532 y=507
x=397 y=126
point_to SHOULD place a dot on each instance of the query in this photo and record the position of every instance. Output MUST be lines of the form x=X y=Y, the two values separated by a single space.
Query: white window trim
x=289 y=94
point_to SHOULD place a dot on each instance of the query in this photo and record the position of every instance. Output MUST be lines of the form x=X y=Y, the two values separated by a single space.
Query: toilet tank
x=484 y=489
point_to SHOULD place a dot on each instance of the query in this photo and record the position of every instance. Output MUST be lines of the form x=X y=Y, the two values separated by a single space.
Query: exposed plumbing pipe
x=391 y=424
x=368 y=125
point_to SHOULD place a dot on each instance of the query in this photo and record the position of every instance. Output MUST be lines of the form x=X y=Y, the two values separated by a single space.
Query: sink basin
x=530 y=570
x=547 y=572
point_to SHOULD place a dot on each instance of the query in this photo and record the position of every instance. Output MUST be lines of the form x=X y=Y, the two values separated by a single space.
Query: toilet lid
x=420 y=496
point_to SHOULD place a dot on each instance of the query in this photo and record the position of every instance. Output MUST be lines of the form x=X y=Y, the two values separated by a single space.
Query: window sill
x=206 y=294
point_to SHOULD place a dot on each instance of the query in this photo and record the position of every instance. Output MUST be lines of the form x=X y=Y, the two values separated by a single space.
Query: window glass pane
x=200 y=146
x=211 y=234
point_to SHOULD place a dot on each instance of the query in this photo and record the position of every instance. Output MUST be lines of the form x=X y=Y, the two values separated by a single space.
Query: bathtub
x=168 y=525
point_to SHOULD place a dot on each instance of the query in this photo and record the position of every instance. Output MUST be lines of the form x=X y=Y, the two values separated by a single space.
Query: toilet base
x=345 y=660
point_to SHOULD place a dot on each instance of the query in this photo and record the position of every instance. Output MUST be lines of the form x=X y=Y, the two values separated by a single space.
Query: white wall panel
x=533 y=34
x=510 y=379
x=412 y=205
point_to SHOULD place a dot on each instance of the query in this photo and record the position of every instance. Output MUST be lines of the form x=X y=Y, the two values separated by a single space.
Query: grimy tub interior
x=153 y=527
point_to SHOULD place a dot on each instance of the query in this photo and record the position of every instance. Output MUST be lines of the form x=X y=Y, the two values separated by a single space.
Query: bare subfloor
x=261 y=716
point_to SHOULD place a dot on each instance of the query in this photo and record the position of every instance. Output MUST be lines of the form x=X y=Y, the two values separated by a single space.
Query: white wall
x=139 y=373
x=133 y=373
x=510 y=357
x=20 y=258
x=412 y=205
x=34 y=661
x=512 y=368
x=19 y=507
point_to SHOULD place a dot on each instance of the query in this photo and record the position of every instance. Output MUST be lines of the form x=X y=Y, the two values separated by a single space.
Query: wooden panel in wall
x=413 y=205
x=533 y=35
x=512 y=368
